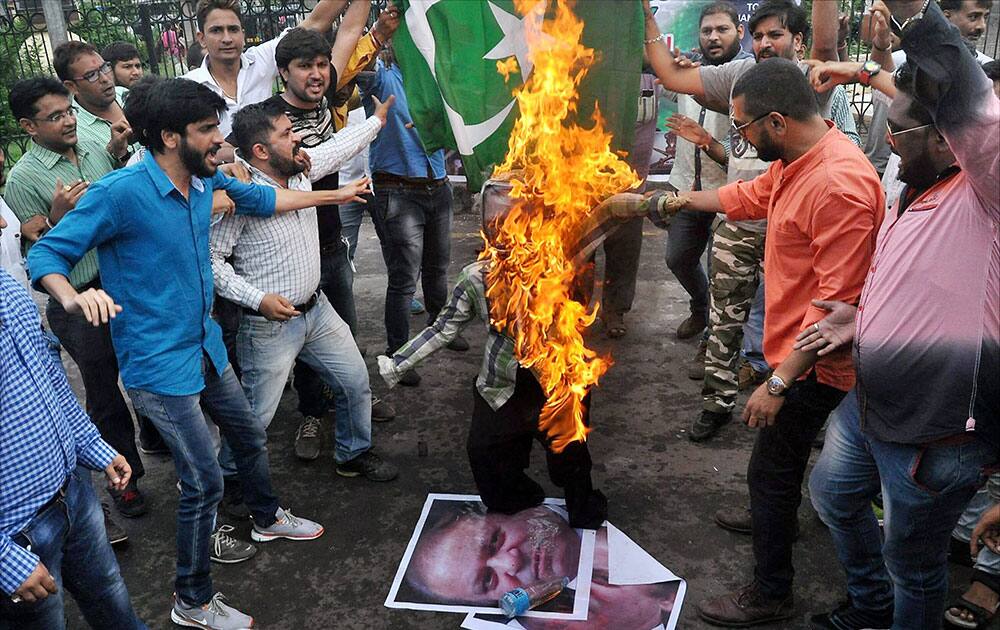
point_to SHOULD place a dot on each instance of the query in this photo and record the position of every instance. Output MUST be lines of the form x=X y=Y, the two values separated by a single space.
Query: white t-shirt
x=255 y=82
x=11 y=260
x=356 y=167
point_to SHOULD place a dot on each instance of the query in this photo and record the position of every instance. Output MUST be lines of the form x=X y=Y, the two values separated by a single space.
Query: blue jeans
x=924 y=490
x=987 y=561
x=687 y=237
x=414 y=227
x=753 y=332
x=182 y=424
x=320 y=339
x=351 y=216
x=69 y=539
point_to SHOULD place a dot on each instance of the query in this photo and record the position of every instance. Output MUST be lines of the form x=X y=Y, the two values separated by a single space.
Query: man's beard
x=726 y=57
x=767 y=151
x=196 y=162
x=286 y=167
x=918 y=173
x=302 y=95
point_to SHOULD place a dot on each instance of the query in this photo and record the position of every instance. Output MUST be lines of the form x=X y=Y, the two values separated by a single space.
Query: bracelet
x=48 y=224
x=658 y=38
x=879 y=48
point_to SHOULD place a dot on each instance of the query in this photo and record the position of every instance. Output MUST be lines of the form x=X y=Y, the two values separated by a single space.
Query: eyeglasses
x=57 y=117
x=94 y=75
x=891 y=135
x=740 y=128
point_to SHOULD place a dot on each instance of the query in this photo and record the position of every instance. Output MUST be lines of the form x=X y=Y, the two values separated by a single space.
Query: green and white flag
x=448 y=52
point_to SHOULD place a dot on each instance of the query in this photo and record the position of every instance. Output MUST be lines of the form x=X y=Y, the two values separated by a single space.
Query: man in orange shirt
x=824 y=204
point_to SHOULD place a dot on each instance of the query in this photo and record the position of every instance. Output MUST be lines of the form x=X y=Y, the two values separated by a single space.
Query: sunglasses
x=891 y=135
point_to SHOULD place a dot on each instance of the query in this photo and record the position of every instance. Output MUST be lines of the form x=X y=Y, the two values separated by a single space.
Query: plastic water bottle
x=522 y=599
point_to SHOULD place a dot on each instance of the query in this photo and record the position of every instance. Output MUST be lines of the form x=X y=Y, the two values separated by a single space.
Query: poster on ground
x=462 y=559
x=629 y=590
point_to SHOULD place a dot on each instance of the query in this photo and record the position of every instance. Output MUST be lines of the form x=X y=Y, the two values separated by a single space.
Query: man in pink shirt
x=925 y=425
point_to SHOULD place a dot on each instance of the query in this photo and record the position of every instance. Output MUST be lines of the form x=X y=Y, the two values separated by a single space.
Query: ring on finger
x=816 y=326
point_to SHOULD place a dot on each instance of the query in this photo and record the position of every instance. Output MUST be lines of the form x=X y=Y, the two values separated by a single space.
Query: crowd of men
x=195 y=237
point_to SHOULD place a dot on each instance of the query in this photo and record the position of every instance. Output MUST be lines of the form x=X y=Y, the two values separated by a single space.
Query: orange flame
x=562 y=172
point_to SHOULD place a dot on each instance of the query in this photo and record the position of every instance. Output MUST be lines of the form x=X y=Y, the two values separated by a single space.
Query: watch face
x=775 y=386
x=871 y=66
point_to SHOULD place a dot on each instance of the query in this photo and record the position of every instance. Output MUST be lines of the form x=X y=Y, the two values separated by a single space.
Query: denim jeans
x=687 y=237
x=775 y=473
x=753 y=332
x=321 y=340
x=414 y=227
x=69 y=539
x=924 y=490
x=91 y=349
x=182 y=424
x=351 y=216
x=987 y=561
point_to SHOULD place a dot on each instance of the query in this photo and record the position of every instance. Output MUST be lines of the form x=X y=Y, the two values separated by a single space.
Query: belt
x=58 y=496
x=383 y=179
x=301 y=308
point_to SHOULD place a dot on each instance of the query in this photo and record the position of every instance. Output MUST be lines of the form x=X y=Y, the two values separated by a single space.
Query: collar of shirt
x=810 y=158
x=160 y=180
x=260 y=177
x=49 y=158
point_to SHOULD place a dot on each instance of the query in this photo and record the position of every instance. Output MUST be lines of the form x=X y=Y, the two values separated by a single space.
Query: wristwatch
x=776 y=386
x=868 y=71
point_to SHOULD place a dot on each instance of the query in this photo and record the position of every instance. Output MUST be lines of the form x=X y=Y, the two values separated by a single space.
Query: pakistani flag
x=448 y=52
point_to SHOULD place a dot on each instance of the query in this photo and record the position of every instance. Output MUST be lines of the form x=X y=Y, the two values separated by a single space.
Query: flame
x=559 y=172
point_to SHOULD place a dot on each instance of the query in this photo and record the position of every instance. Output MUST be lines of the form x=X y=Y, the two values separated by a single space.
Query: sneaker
x=114 y=531
x=696 y=369
x=416 y=307
x=287 y=526
x=750 y=378
x=215 y=615
x=847 y=617
x=309 y=438
x=228 y=550
x=746 y=607
x=382 y=411
x=458 y=344
x=129 y=502
x=708 y=424
x=693 y=325
x=410 y=378
x=370 y=465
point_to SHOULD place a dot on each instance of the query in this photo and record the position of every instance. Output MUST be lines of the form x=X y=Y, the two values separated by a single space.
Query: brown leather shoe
x=696 y=369
x=734 y=519
x=692 y=326
x=750 y=378
x=745 y=607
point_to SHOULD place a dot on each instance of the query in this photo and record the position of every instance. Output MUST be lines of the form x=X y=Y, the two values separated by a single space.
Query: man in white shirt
x=10 y=238
x=244 y=77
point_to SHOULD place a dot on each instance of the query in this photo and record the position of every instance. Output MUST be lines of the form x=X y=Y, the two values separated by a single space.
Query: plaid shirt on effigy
x=498 y=372
x=43 y=433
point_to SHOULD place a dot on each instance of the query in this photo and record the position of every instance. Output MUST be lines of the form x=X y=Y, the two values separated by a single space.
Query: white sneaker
x=215 y=615
x=287 y=526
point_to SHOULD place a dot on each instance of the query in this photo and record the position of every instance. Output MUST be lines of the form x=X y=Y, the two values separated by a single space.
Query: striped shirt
x=94 y=128
x=44 y=432
x=32 y=182
x=280 y=254
x=498 y=372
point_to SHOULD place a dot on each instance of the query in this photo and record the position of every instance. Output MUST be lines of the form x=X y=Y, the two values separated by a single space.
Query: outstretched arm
x=351 y=28
x=323 y=14
x=671 y=75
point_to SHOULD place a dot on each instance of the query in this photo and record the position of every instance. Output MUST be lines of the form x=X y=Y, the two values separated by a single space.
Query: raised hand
x=826 y=75
x=382 y=109
x=691 y=131
x=65 y=197
x=121 y=136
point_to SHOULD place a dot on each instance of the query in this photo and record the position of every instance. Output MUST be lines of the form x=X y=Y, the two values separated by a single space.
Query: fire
x=562 y=172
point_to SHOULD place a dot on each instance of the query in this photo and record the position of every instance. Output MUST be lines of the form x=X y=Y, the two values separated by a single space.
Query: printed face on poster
x=462 y=559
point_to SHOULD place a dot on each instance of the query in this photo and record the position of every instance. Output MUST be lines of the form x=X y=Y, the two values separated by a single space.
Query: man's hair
x=253 y=124
x=136 y=107
x=992 y=70
x=26 y=93
x=956 y=5
x=789 y=14
x=300 y=43
x=195 y=56
x=204 y=7
x=171 y=105
x=906 y=77
x=720 y=6
x=793 y=97
x=66 y=54
x=116 y=52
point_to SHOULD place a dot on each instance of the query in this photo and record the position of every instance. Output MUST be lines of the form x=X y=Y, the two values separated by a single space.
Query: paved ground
x=663 y=489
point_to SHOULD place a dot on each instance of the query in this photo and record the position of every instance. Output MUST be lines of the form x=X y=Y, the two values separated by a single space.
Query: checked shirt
x=43 y=431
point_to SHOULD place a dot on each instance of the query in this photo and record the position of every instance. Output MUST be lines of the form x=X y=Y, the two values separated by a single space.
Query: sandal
x=981 y=617
x=614 y=324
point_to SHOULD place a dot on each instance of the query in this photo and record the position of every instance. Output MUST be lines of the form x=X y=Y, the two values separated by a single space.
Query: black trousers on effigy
x=499 y=449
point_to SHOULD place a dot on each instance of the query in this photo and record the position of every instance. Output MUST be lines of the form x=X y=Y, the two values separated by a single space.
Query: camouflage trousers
x=736 y=270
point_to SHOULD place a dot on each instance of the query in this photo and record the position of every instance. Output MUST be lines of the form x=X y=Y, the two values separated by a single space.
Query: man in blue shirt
x=149 y=223
x=411 y=210
x=51 y=523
